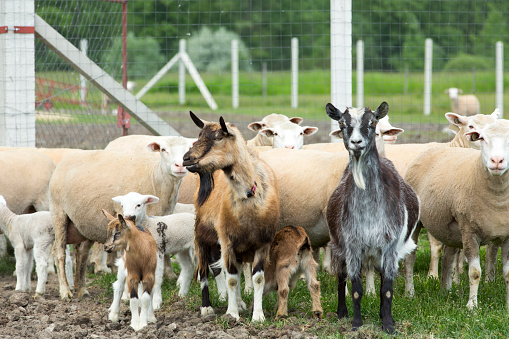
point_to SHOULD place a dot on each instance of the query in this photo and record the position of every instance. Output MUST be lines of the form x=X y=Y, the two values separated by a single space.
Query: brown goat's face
x=116 y=239
x=213 y=150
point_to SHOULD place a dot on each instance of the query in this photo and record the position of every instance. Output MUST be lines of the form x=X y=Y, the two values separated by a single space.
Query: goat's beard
x=206 y=187
x=356 y=169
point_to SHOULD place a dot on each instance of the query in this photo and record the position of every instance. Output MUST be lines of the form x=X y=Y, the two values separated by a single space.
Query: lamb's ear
x=496 y=113
x=296 y=120
x=268 y=132
x=151 y=199
x=123 y=222
x=309 y=130
x=456 y=119
x=382 y=110
x=333 y=112
x=197 y=120
x=223 y=126
x=338 y=134
x=117 y=199
x=154 y=147
x=107 y=215
x=255 y=126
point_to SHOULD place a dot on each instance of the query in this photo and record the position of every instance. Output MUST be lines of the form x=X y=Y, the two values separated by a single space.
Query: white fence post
x=182 y=73
x=295 y=72
x=360 y=73
x=17 y=73
x=500 y=77
x=83 y=80
x=235 y=73
x=428 y=58
x=341 y=56
x=264 y=80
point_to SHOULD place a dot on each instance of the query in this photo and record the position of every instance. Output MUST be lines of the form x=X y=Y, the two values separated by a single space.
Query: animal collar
x=252 y=191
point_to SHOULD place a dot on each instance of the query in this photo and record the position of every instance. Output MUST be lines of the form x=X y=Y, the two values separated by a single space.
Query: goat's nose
x=290 y=147
x=497 y=160
x=356 y=141
x=186 y=157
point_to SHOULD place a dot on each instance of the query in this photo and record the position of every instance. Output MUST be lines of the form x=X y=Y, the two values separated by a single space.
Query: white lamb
x=31 y=235
x=174 y=235
x=467 y=104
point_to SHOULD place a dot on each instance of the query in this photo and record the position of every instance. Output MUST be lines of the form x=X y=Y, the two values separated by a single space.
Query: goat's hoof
x=281 y=316
x=389 y=329
x=317 y=314
x=205 y=311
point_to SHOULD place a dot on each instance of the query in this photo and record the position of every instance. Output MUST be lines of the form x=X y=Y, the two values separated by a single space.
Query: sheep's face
x=288 y=134
x=494 y=146
x=116 y=239
x=134 y=205
x=215 y=148
x=462 y=124
x=172 y=152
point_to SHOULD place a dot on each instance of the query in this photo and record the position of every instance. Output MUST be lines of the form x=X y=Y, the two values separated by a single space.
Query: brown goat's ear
x=197 y=120
x=107 y=215
x=123 y=222
x=223 y=126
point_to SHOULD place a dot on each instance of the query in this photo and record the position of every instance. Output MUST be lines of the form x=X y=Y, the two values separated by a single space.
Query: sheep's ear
x=456 y=119
x=197 y=120
x=296 y=120
x=496 y=113
x=338 y=134
x=255 y=126
x=151 y=199
x=333 y=112
x=309 y=130
x=473 y=136
x=117 y=199
x=223 y=126
x=382 y=110
x=393 y=131
x=123 y=222
x=154 y=147
x=107 y=215
x=268 y=132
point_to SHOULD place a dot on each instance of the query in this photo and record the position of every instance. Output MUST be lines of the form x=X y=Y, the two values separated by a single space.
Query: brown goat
x=290 y=256
x=140 y=259
x=237 y=217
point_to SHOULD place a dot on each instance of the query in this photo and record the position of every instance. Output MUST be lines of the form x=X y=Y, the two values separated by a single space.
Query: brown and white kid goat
x=140 y=259
x=237 y=211
x=290 y=256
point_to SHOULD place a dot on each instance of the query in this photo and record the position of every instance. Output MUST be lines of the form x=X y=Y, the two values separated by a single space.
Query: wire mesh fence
x=71 y=112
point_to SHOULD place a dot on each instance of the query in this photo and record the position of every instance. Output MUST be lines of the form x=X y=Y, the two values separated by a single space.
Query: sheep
x=371 y=214
x=174 y=235
x=32 y=236
x=463 y=104
x=138 y=265
x=271 y=120
x=85 y=181
x=290 y=256
x=237 y=210
x=467 y=211
x=288 y=135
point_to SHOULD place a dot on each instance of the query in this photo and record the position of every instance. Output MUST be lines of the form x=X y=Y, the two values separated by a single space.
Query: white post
x=500 y=77
x=17 y=74
x=235 y=73
x=182 y=73
x=360 y=73
x=341 y=56
x=428 y=57
x=83 y=80
x=264 y=80
x=295 y=72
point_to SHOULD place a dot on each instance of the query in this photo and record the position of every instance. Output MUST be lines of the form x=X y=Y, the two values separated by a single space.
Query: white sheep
x=271 y=120
x=32 y=236
x=288 y=134
x=84 y=182
x=174 y=235
x=467 y=104
x=467 y=210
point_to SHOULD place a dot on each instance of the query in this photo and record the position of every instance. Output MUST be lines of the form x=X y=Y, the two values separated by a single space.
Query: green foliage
x=211 y=51
x=143 y=57
x=466 y=62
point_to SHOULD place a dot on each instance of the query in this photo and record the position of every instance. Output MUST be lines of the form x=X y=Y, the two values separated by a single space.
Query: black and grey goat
x=371 y=214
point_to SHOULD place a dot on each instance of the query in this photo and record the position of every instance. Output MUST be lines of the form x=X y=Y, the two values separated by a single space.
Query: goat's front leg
x=134 y=303
x=203 y=253
x=147 y=311
x=118 y=289
x=342 y=310
x=81 y=253
x=309 y=265
x=259 y=281
x=232 y=280
x=356 y=297
x=386 y=294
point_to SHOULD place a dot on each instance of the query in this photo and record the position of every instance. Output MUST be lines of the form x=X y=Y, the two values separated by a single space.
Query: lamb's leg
x=60 y=223
x=29 y=265
x=471 y=248
x=81 y=252
x=309 y=265
x=168 y=268
x=491 y=262
x=19 y=254
x=282 y=277
x=448 y=262
x=259 y=281
x=99 y=259
x=436 y=249
x=247 y=268
x=3 y=245
x=156 y=292
x=41 y=253
x=186 y=272
x=505 y=263
x=410 y=262
x=118 y=289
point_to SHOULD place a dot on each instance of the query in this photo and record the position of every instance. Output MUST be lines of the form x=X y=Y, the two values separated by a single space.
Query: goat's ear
x=268 y=132
x=197 y=120
x=456 y=119
x=382 y=110
x=151 y=199
x=296 y=120
x=338 y=134
x=496 y=113
x=107 y=215
x=255 y=126
x=123 y=222
x=309 y=130
x=333 y=112
x=223 y=126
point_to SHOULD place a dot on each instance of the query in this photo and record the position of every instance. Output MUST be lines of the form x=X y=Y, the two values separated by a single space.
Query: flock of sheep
x=265 y=206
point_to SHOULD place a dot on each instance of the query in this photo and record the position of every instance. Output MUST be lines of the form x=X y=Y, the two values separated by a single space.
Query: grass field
x=432 y=313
